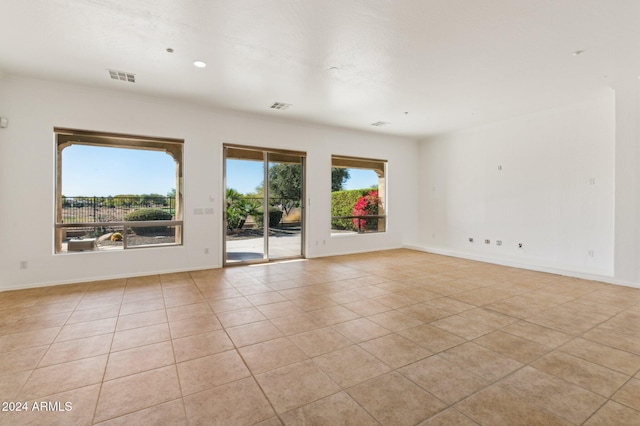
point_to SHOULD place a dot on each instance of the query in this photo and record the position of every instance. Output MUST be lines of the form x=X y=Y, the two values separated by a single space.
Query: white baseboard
x=106 y=278
x=435 y=250
x=348 y=252
x=523 y=265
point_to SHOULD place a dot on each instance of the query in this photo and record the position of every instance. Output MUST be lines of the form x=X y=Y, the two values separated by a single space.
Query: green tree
x=285 y=183
x=152 y=199
x=285 y=180
x=126 y=200
x=339 y=176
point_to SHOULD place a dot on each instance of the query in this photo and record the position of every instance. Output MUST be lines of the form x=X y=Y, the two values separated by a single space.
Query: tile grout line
x=173 y=352
x=328 y=290
x=106 y=365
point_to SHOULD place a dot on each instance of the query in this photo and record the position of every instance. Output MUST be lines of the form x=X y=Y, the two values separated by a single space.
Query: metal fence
x=111 y=209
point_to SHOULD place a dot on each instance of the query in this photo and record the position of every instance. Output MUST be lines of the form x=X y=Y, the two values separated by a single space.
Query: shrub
x=238 y=208
x=275 y=216
x=148 y=214
x=342 y=203
x=366 y=205
x=294 y=216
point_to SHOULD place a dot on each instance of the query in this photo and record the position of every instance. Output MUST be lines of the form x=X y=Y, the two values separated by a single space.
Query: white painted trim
x=108 y=277
x=515 y=264
x=444 y=252
x=348 y=252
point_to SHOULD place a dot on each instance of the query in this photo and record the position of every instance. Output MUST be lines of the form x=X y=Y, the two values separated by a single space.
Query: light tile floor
x=396 y=337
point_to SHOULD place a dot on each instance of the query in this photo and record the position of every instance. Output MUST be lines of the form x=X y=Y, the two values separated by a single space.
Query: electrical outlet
x=487 y=241
x=498 y=242
x=519 y=245
x=470 y=239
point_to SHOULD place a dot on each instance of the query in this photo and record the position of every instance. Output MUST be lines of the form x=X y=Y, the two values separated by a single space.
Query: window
x=358 y=195
x=116 y=192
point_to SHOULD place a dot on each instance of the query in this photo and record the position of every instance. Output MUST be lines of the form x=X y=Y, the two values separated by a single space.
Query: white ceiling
x=449 y=63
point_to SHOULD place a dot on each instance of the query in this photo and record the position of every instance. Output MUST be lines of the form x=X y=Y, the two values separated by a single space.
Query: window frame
x=65 y=137
x=380 y=168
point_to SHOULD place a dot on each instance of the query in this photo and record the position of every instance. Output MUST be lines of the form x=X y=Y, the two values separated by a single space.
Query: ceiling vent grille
x=379 y=123
x=122 y=76
x=280 y=106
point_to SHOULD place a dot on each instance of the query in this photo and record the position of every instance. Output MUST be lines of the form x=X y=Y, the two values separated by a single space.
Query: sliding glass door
x=285 y=177
x=244 y=210
x=264 y=206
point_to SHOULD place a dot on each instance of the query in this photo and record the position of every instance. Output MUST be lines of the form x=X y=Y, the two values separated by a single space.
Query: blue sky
x=244 y=176
x=101 y=171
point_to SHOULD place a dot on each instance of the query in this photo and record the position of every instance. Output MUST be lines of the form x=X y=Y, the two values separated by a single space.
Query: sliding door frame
x=251 y=152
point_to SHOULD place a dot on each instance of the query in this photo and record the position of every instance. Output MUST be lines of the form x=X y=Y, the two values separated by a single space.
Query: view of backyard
x=79 y=214
x=135 y=219
x=353 y=211
x=124 y=208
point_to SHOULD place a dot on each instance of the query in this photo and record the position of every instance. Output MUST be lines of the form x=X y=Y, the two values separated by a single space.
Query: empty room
x=305 y=212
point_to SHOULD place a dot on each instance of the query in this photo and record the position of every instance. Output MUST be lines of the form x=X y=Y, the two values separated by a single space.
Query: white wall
x=27 y=170
x=554 y=194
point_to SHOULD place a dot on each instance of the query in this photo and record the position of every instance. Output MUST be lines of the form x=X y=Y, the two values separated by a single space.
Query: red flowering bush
x=366 y=205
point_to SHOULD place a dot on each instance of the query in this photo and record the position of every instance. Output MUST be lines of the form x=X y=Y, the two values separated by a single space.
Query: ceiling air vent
x=379 y=123
x=280 y=106
x=123 y=76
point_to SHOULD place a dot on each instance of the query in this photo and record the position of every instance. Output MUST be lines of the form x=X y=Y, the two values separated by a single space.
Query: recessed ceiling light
x=169 y=50
x=199 y=64
x=577 y=52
